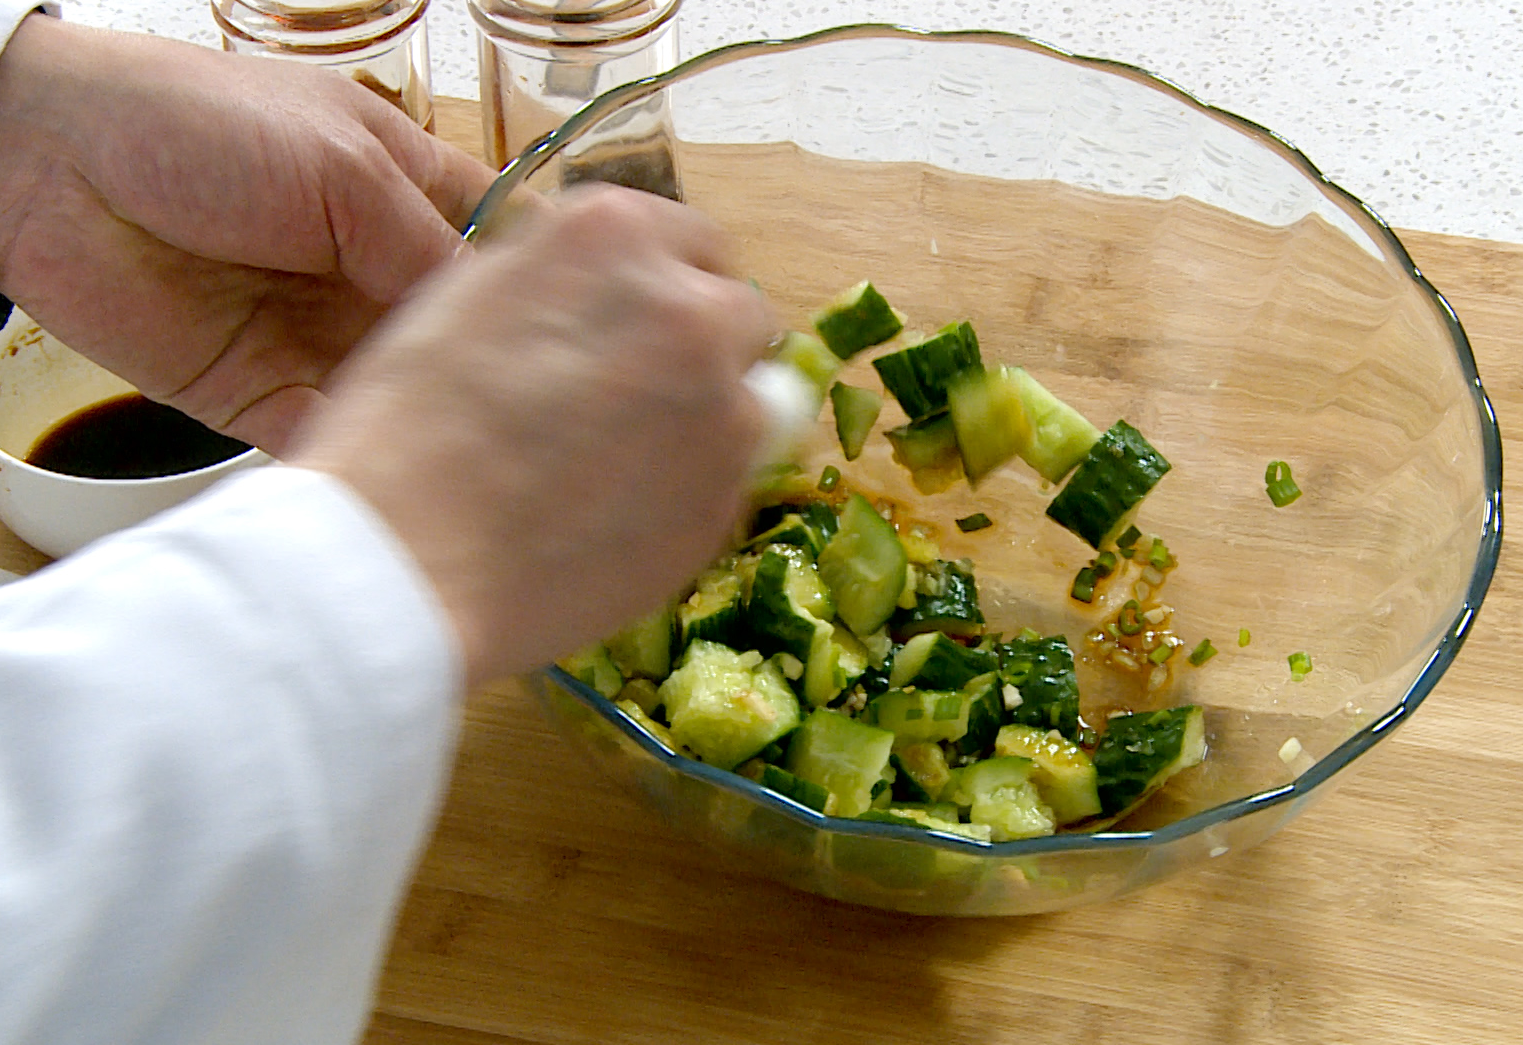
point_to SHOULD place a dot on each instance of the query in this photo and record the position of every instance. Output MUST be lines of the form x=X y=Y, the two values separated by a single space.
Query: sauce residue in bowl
x=130 y=437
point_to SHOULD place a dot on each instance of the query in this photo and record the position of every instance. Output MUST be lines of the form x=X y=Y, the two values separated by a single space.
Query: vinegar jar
x=381 y=44
x=542 y=60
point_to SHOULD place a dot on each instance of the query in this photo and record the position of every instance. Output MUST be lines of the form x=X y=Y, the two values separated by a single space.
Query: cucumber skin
x=955 y=611
x=928 y=448
x=945 y=664
x=831 y=749
x=1043 y=671
x=860 y=318
x=1116 y=474
x=864 y=541
x=1136 y=749
x=918 y=376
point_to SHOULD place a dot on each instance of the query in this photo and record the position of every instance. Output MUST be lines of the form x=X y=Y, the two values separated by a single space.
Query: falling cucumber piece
x=859 y=318
x=856 y=411
x=808 y=355
x=928 y=448
x=989 y=421
x=1139 y=753
x=864 y=567
x=1059 y=437
x=1115 y=475
x=919 y=376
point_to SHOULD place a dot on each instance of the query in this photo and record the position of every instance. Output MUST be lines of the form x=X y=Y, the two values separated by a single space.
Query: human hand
x=558 y=426
x=219 y=230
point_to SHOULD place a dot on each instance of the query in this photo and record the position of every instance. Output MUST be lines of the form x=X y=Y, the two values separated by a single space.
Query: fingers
x=451 y=180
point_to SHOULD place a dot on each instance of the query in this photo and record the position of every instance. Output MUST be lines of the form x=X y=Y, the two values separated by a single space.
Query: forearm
x=222 y=738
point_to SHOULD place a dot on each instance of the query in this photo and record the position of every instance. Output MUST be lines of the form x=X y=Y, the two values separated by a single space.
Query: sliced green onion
x=1300 y=665
x=1084 y=585
x=829 y=478
x=1279 y=485
x=1158 y=554
x=1202 y=653
x=976 y=521
x=1161 y=654
x=1104 y=564
x=1127 y=620
x=1128 y=538
x=1243 y=638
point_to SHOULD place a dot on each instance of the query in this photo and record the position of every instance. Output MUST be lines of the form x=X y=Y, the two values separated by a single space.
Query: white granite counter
x=1416 y=108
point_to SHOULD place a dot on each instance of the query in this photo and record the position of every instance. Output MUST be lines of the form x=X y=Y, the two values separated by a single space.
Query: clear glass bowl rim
x=1488 y=549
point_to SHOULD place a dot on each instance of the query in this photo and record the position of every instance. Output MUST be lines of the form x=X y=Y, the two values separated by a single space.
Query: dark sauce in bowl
x=130 y=437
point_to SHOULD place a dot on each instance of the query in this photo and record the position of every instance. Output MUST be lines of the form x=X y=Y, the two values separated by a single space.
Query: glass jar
x=381 y=44
x=542 y=60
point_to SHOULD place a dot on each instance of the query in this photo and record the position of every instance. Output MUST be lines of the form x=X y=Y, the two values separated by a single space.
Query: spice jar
x=382 y=44
x=542 y=60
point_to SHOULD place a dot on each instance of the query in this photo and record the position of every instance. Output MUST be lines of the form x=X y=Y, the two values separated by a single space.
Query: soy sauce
x=130 y=437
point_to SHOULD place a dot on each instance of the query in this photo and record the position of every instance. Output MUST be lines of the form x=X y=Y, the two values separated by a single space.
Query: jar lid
x=572 y=23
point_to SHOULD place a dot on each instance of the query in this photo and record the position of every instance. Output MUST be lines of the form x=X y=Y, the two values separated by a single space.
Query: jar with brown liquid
x=382 y=44
x=542 y=60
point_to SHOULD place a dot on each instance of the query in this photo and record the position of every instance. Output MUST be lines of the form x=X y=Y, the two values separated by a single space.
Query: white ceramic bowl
x=41 y=382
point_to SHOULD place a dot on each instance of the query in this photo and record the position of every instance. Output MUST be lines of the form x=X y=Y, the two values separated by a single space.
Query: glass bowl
x=1145 y=256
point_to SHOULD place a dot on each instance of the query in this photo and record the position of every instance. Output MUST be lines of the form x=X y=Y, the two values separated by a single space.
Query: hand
x=557 y=427
x=219 y=230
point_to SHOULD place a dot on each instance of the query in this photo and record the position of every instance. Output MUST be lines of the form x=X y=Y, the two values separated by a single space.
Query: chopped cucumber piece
x=946 y=600
x=1063 y=773
x=856 y=411
x=1138 y=753
x=989 y=420
x=1114 y=477
x=727 y=706
x=642 y=692
x=640 y=717
x=844 y=756
x=864 y=567
x=934 y=661
x=713 y=611
x=858 y=318
x=945 y=811
x=1060 y=436
x=788 y=602
x=918 y=376
x=998 y=792
x=1042 y=672
x=928 y=448
x=593 y=667
x=644 y=649
x=985 y=710
x=792 y=529
x=809 y=356
x=786 y=784
x=918 y=715
x=837 y=659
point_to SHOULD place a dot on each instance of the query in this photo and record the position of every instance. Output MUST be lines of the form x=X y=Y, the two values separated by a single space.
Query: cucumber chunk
x=641 y=718
x=1060 y=435
x=1139 y=753
x=989 y=420
x=786 y=784
x=928 y=449
x=911 y=816
x=856 y=410
x=713 y=611
x=1042 y=672
x=644 y=649
x=858 y=318
x=592 y=666
x=844 y=756
x=788 y=602
x=792 y=529
x=985 y=709
x=1063 y=773
x=946 y=600
x=934 y=661
x=727 y=706
x=920 y=715
x=864 y=567
x=837 y=659
x=998 y=792
x=918 y=376
x=1115 y=475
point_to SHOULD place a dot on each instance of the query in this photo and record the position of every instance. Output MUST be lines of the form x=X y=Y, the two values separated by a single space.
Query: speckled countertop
x=1415 y=107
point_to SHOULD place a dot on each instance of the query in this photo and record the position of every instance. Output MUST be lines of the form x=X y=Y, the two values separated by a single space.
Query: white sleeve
x=223 y=738
x=13 y=11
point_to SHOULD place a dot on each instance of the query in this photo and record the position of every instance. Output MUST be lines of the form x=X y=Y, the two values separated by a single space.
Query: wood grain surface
x=551 y=908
